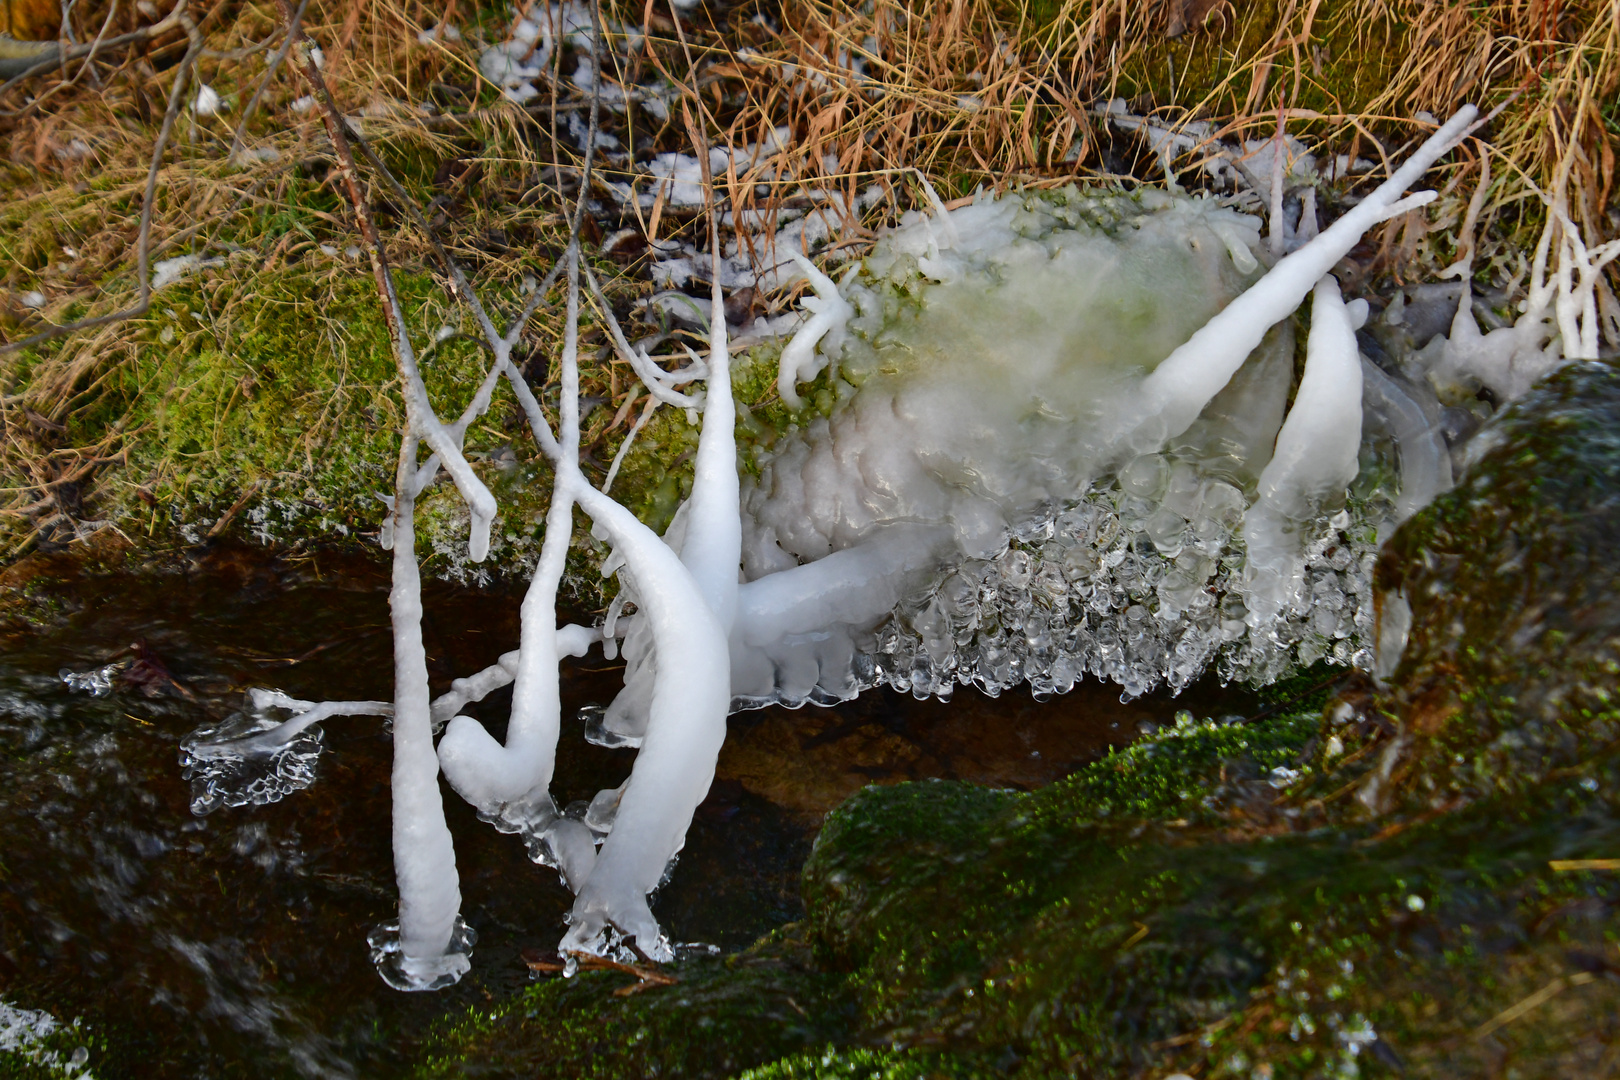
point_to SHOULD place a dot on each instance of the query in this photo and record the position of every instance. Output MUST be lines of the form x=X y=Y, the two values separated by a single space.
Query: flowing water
x=234 y=944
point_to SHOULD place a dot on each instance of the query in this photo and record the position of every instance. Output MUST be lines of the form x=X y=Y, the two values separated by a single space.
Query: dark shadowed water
x=233 y=945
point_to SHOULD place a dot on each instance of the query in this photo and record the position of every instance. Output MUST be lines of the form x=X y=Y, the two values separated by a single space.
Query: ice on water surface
x=413 y=974
x=97 y=682
x=252 y=777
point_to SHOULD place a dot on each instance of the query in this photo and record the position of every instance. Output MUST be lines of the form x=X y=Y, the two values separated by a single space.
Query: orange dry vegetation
x=980 y=90
x=30 y=20
x=967 y=92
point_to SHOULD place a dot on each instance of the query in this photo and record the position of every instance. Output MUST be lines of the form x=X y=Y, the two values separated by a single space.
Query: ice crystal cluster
x=973 y=390
x=1128 y=591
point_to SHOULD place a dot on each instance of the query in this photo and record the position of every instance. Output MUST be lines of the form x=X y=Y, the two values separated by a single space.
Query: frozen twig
x=624 y=447
x=657 y=381
x=1179 y=388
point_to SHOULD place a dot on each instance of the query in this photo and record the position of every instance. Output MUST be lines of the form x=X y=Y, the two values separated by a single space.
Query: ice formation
x=1052 y=436
x=1561 y=318
x=1045 y=448
x=23 y=1035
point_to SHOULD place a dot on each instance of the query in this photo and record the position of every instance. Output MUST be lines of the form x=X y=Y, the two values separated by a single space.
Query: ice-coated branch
x=1578 y=273
x=629 y=440
x=829 y=315
x=572 y=640
x=686 y=727
x=422 y=421
x=1561 y=319
x=1175 y=393
x=430 y=949
x=712 y=549
x=691 y=683
x=308 y=713
x=688 y=605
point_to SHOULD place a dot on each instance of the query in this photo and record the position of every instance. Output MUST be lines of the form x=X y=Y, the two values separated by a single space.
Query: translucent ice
x=1040 y=438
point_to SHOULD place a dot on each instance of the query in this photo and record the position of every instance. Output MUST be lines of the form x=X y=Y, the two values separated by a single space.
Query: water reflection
x=235 y=944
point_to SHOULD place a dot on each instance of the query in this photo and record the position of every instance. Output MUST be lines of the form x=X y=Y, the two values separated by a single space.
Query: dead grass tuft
x=995 y=93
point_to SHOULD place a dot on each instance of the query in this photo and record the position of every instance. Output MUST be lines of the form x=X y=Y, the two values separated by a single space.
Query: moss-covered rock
x=723 y=1017
x=1510 y=672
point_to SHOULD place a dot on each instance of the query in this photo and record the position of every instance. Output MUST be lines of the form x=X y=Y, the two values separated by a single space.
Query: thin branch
x=421 y=419
x=264 y=83
x=173 y=19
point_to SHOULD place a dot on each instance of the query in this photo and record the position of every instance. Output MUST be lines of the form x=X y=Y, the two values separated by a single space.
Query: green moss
x=972 y=932
x=281 y=383
x=723 y=1017
x=1107 y=947
x=1515 y=594
x=859 y=1064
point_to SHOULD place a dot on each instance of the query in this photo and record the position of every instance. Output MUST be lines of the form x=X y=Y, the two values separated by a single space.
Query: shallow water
x=234 y=944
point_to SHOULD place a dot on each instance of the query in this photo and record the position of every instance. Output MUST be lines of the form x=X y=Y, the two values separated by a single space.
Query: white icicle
x=685 y=728
x=1317 y=447
x=1315 y=457
x=712 y=549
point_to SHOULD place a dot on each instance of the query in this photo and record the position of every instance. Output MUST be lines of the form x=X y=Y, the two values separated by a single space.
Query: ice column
x=424 y=857
x=1315 y=457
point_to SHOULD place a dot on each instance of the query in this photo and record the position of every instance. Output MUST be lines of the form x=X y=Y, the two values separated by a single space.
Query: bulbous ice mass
x=981 y=380
x=1048 y=439
x=1034 y=447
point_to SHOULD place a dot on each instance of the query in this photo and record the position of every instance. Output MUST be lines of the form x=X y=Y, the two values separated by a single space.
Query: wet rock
x=1513 y=663
x=813 y=762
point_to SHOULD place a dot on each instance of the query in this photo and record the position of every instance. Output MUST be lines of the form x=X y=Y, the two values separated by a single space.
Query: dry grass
x=974 y=91
x=969 y=92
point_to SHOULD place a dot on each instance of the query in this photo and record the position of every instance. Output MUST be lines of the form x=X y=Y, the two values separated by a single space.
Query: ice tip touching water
x=703 y=642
